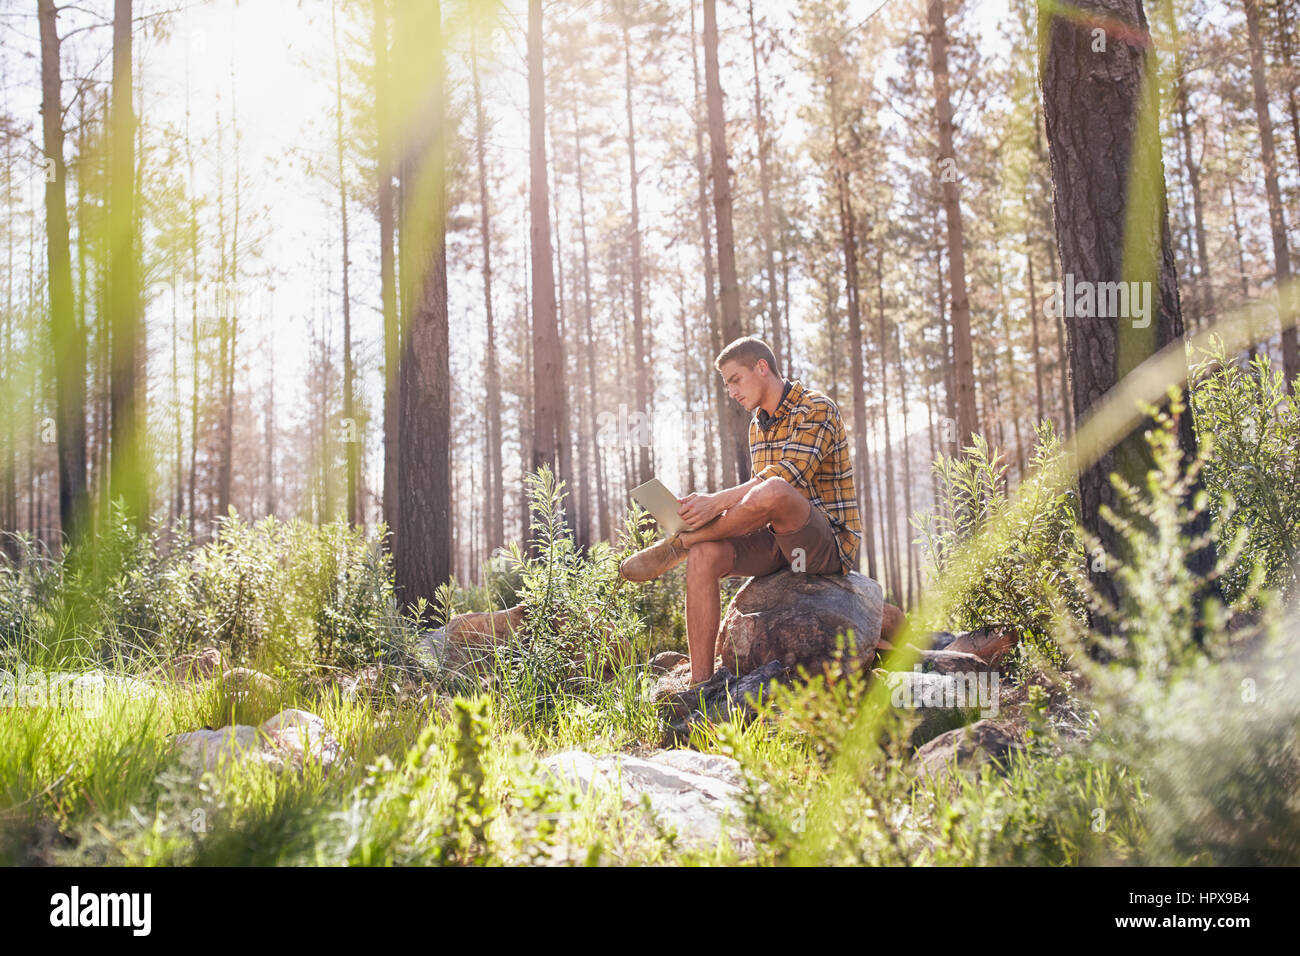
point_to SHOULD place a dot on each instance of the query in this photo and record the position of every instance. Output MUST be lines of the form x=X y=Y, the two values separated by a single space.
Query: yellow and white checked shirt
x=805 y=443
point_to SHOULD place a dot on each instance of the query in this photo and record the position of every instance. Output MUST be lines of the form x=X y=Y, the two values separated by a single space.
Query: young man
x=798 y=510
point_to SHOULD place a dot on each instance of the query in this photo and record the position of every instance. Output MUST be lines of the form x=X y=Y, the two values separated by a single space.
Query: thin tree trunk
x=548 y=397
x=640 y=373
x=1276 y=212
x=765 y=193
x=495 y=533
x=67 y=338
x=724 y=465
x=967 y=419
x=737 y=426
x=351 y=430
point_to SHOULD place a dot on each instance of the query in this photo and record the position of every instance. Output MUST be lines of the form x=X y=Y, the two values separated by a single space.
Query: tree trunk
x=725 y=463
x=67 y=336
x=602 y=499
x=422 y=551
x=351 y=430
x=1276 y=212
x=548 y=379
x=848 y=238
x=737 y=425
x=967 y=419
x=1103 y=136
x=387 y=263
x=129 y=479
x=495 y=529
x=765 y=192
x=640 y=373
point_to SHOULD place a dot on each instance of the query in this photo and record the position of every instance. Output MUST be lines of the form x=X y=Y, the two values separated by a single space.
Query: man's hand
x=698 y=510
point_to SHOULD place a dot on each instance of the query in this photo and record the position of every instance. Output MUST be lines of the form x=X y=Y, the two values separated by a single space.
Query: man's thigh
x=813 y=547
x=757 y=553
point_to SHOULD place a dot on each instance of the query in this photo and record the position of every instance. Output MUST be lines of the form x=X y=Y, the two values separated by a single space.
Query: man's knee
x=775 y=494
x=710 y=559
x=783 y=506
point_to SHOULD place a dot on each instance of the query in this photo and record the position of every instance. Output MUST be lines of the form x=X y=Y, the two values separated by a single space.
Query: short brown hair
x=747 y=351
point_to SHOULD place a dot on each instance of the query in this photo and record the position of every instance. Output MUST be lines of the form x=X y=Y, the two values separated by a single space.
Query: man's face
x=745 y=385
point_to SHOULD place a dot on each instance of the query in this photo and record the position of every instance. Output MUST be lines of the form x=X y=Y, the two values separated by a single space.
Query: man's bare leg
x=707 y=564
x=773 y=501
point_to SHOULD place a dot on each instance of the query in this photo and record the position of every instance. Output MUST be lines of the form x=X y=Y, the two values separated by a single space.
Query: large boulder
x=795 y=618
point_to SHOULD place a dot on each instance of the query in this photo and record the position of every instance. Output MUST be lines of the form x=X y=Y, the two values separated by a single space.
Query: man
x=799 y=509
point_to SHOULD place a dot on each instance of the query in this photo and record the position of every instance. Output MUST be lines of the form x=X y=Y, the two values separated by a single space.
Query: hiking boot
x=648 y=563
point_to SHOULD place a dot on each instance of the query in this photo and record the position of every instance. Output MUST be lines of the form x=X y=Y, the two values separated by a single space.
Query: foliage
x=1023 y=574
x=1249 y=429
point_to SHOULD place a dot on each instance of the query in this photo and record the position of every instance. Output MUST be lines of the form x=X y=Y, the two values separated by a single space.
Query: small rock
x=287 y=740
x=195 y=666
x=665 y=661
x=245 y=680
x=966 y=747
x=942 y=701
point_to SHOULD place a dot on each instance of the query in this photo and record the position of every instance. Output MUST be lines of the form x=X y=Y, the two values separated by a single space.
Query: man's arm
x=698 y=510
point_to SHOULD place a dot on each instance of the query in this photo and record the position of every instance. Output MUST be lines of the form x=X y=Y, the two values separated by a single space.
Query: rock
x=795 y=618
x=485 y=628
x=723 y=696
x=195 y=666
x=665 y=661
x=966 y=747
x=288 y=740
x=244 y=681
x=673 y=681
x=698 y=796
x=365 y=684
x=892 y=622
x=990 y=644
x=298 y=736
x=469 y=640
x=952 y=662
x=942 y=701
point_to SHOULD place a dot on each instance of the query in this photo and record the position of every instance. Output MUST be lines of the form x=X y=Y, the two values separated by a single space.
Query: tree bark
x=495 y=528
x=1276 y=212
x=963 y=361
x=548 y=398
x=737 y=425
x=67 y=336
x=723 y=464
x=129 y=478
x=387 y=263
x=1102 y=118
x=422 y=552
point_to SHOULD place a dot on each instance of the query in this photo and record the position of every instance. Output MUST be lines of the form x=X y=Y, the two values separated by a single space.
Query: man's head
x=748 y=368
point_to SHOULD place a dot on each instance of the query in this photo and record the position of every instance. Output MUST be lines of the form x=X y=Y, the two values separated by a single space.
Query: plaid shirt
x=805 y=443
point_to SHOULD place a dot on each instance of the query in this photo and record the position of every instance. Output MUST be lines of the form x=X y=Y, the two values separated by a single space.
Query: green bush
x=1249 y=429
x=1024 y=575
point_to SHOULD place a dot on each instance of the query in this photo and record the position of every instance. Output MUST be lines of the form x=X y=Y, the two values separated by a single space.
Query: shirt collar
x=764 y=419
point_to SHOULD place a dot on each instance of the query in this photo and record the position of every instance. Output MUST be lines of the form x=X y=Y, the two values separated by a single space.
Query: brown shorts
x=763 y=552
